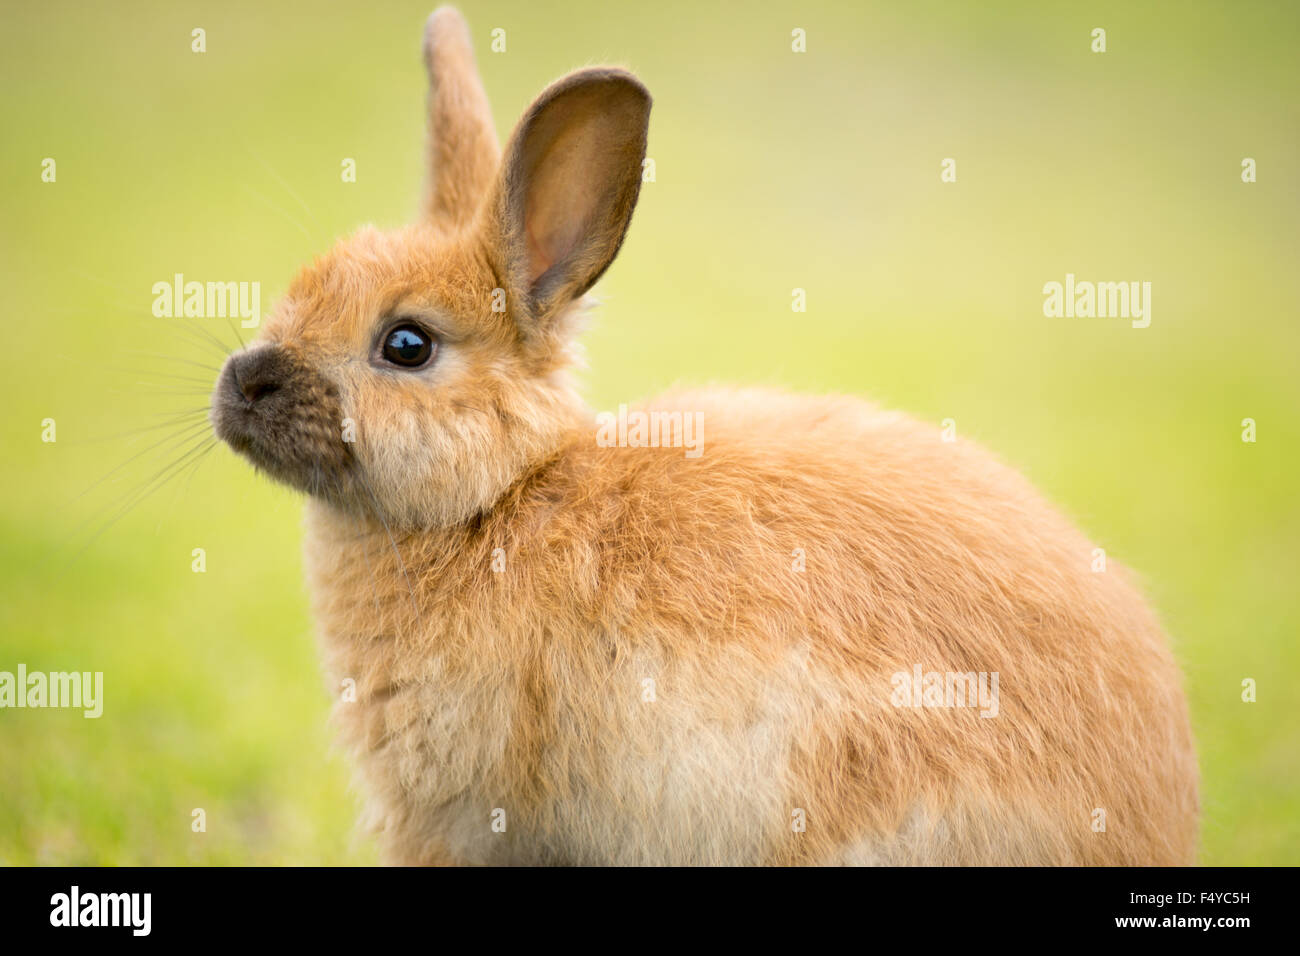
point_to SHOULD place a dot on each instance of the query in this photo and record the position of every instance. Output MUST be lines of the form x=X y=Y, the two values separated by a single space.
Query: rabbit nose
x=257 y=374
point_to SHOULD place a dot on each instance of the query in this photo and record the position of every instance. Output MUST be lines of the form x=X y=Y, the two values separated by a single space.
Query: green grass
x=774 y=171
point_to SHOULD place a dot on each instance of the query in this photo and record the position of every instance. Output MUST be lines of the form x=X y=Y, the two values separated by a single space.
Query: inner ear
x=574 y=168
x=569 y=185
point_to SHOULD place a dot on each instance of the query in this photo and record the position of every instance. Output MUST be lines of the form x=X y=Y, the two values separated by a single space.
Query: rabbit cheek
x=285 y=418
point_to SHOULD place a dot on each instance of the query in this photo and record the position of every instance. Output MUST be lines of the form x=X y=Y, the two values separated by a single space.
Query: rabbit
x=566 y=651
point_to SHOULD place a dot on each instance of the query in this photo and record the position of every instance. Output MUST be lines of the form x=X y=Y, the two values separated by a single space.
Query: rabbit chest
x=493 y=722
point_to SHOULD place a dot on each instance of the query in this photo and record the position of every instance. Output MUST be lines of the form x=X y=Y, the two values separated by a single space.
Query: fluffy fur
x=573 y=654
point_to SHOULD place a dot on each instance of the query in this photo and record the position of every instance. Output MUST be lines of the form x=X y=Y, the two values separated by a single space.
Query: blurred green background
x=775 y=170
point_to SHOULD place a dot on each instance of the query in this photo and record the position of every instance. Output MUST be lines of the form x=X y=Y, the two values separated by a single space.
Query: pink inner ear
x=562 y=195
x=549 y=242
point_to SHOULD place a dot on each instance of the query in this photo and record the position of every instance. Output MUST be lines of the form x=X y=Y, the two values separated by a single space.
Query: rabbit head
x=418 y=374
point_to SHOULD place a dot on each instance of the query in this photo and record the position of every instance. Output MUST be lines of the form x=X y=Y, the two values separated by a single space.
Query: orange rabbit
x=821 y=634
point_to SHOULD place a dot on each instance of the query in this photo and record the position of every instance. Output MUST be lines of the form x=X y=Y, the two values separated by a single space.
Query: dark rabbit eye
x=408 y=346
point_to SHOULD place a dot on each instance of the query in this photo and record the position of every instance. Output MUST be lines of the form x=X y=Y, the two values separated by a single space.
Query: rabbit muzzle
x=286 y=418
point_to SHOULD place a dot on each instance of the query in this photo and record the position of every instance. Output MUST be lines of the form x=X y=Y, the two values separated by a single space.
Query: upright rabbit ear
x=567 y=188
x=463 y=149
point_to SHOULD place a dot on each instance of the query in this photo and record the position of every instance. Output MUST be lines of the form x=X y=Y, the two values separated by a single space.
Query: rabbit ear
x=463 y=148
x=567 y=188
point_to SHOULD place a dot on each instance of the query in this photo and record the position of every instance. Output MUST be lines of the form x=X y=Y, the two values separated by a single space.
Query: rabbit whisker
x=188 y=418
x=196 y=446
x=198 y=335
x=270 y=205
x=184 y=434
x=285 y=186
x=183 y=361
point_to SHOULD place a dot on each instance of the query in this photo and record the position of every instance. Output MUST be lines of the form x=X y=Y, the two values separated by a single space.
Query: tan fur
x=514 y=680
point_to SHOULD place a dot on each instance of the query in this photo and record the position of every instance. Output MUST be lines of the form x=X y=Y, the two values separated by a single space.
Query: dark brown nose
x=258 y=373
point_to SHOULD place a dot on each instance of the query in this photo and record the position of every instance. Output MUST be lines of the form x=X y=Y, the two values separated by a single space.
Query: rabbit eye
x=408 y=346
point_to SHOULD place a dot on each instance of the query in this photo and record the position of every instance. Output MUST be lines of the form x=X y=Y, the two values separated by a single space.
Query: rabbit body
x=519 y=696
